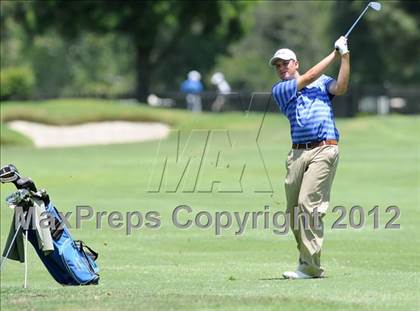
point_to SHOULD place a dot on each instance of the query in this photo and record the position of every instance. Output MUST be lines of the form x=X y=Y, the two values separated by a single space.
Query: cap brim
x=274 y=59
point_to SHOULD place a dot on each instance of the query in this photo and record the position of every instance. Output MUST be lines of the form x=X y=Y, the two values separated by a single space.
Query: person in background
x=223 y=88
x=193 y=87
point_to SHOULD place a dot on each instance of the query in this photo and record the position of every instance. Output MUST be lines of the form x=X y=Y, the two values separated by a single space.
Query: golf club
x=374 y=5
x=10 y=174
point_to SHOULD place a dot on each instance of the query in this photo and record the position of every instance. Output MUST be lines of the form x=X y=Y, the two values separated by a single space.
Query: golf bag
x=69 y=261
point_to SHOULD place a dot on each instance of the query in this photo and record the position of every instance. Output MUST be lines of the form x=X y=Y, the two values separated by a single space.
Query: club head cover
x=25 y=183
x=9 y=173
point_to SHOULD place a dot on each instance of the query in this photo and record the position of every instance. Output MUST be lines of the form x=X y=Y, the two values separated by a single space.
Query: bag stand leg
x=25 y=283
x=3 y=262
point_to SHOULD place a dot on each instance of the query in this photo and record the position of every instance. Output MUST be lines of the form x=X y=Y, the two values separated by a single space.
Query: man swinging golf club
x=305 y=99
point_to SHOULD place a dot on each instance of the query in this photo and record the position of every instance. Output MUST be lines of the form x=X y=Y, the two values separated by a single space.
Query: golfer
x=305 y=99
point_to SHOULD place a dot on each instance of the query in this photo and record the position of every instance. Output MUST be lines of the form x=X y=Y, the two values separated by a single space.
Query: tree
x=88 y=65
x=156 y=28
x=298 y=25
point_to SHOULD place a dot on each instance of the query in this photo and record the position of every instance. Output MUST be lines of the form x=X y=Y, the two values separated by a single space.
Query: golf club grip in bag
x=71 y=262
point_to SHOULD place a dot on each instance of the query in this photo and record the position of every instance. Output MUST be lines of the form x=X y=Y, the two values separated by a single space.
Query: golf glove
x=341 y=45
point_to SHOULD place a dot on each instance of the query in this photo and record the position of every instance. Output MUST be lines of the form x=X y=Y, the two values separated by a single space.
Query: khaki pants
x=310 y=173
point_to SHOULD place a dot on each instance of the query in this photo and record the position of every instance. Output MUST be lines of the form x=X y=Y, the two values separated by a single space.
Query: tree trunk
x=143 y=74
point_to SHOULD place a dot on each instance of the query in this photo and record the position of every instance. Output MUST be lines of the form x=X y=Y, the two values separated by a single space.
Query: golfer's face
x=286 y=69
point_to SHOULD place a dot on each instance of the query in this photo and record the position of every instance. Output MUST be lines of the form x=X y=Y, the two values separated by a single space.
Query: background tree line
x=111 y=48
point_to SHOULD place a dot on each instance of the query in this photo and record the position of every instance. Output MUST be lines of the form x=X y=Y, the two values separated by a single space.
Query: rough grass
x=10 y=137
x=76 y=111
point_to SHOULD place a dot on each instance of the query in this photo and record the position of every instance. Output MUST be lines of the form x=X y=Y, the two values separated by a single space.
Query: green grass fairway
x=171 y=268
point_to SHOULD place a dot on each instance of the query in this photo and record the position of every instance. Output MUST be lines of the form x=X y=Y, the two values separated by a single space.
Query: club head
x=375 y=5
x=9 y=173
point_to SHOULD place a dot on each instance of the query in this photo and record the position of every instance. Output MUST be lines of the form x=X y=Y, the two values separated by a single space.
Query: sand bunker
x=101 y=133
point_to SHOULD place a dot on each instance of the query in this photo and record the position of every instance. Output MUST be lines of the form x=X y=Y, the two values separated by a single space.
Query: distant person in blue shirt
x=305 y=99
x=193 y=87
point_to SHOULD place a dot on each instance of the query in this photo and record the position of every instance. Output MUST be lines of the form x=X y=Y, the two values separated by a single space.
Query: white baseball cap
x=217 y=78
x=285 y=54
x=194 y=75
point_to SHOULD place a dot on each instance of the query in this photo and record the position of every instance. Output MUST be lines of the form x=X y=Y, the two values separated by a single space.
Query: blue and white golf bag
x=70 y=262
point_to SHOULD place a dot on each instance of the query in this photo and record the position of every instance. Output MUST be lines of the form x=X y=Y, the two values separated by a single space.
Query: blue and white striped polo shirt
x=309 y=110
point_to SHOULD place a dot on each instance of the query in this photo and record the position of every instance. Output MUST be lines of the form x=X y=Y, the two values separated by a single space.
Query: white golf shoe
x=296 y=275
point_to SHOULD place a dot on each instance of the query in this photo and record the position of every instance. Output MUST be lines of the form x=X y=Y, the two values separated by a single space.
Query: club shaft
x=25 y=282
x=357 y=20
